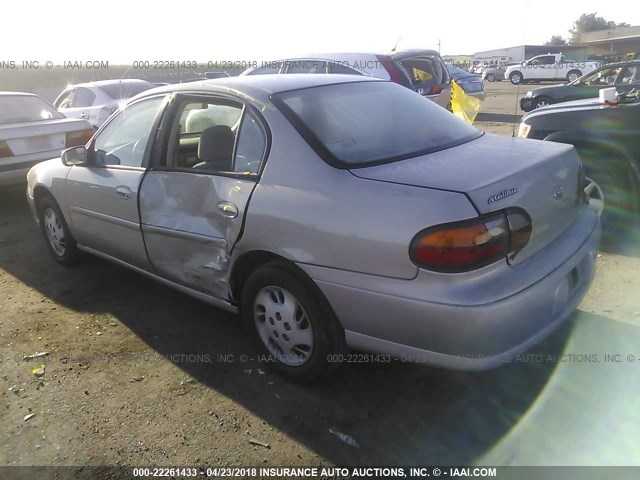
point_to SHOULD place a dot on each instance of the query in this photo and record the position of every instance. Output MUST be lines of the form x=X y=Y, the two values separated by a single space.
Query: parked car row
x=423 y=71
x=624 y=76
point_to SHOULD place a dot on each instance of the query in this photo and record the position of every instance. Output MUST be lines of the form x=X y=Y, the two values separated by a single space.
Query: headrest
x=216 y=144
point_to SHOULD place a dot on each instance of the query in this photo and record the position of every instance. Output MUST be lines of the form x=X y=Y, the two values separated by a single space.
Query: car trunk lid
x=497 y=173
x=40 y=136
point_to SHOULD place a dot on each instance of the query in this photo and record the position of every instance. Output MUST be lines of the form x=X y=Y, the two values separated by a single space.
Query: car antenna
x=396 y=45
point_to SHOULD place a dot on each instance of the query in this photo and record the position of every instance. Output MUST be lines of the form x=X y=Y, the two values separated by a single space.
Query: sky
x=120 y=31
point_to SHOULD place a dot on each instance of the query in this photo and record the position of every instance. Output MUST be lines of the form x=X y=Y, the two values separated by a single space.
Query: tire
x=491 y=77
x=613 y=194
x=516 y=78
x=573 y=75
x=291 y=322
x=60 y=242
x=542 y=102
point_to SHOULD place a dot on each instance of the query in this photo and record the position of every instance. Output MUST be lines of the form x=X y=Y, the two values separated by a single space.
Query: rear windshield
x=25 y=108
x=125 y=90
x=367 y=123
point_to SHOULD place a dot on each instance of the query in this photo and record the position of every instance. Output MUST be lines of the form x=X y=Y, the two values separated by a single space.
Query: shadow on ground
x=398 y=413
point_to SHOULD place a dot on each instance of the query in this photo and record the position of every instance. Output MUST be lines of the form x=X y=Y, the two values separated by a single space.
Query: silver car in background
x=423 y=71
x=31 y=131
x=331 y=211
x=96 y=101
x=494 y=74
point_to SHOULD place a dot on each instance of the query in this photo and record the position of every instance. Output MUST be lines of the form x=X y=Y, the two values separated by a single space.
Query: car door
x=78 y=103
x=547 y=67
x=193 y=203
x=103 y=195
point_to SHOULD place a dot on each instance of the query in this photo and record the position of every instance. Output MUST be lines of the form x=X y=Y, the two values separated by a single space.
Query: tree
x=556 y=40
x=591 y=22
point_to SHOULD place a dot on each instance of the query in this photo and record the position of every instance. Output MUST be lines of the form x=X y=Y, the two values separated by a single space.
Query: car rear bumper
x=458 y=335
x=13 y=170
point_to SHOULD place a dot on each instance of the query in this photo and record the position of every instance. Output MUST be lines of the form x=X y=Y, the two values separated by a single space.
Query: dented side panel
x=188 y=226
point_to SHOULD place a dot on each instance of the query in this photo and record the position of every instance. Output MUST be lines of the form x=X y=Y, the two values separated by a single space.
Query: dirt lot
x=137 y=374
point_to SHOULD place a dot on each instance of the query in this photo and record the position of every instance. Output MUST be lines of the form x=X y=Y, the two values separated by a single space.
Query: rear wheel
x=573 y=75
x=516 y=78
x=291 y=322
x=60 y=243
x=491 y=77
x=541 y=102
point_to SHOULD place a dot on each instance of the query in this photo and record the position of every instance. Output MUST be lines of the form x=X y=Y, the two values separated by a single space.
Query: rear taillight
x=5 y=151
x=395 y=74
x=471 y=244
x=78 y=138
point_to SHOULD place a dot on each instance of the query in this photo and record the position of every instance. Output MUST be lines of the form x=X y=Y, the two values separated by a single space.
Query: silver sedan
x=331 y=212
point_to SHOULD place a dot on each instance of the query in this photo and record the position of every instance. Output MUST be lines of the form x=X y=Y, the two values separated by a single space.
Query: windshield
x=25 y=108
x=366 y=123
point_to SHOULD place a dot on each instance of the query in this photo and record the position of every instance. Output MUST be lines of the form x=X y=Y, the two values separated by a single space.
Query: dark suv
x=607 y=137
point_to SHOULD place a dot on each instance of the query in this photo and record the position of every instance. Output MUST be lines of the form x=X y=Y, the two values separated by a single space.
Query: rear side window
x=25 y=108
x=368 y=123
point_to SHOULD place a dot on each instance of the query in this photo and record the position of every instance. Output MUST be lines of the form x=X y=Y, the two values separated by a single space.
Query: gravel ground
x=137 y=374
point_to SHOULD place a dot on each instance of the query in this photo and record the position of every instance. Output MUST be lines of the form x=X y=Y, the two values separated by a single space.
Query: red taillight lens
x=435 y=89
x=394 y=72
x=80 y=137
x=5 y=151
x=471 y=244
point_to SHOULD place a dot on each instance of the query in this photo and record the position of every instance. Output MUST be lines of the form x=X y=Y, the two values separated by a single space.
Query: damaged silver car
x=331 y=212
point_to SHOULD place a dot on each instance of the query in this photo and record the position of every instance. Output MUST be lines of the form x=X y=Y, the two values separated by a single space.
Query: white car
x=31 y=131
x=421 y=70
x=552 y=66
x=96 y=101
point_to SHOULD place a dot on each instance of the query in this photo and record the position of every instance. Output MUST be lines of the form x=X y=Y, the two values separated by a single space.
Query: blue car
x=471 y=83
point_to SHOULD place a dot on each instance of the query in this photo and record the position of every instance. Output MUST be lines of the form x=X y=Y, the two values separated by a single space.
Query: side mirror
x=74 y=156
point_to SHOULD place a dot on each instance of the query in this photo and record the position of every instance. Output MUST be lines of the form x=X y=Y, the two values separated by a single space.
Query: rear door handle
x=228 y=209
x=123 y=192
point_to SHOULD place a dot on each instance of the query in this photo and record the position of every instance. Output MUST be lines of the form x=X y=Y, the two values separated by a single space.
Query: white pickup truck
x=549 y=67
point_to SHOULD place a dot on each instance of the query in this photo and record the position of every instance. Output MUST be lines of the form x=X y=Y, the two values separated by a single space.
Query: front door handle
x=123 y=192
x=228 y=209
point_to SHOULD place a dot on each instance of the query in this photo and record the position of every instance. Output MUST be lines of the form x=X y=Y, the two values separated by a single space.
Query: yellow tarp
x=464 y=106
